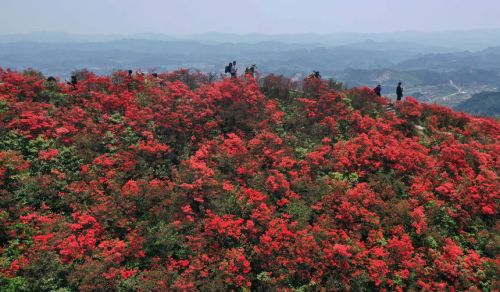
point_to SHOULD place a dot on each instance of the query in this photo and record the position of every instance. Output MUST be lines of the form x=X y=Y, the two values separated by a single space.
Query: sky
x=182 y=17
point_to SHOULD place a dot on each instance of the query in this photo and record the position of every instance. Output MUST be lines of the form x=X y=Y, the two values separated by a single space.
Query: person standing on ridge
x=73 y=82
x=228 y=68
x=399 y=91
x=234 y=70
x=250 y=70
x=378 y=90
x=315 y=75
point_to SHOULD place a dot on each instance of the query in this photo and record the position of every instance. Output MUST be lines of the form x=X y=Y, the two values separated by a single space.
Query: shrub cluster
x=175 y=182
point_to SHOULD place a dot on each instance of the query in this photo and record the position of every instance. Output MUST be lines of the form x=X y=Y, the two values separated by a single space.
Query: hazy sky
x=245 y=16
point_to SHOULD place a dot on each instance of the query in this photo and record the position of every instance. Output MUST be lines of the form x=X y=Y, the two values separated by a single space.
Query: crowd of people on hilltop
x=74 y=78
x=232 y=70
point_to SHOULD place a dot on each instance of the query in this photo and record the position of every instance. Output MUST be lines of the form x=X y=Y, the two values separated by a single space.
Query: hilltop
x=184 y=182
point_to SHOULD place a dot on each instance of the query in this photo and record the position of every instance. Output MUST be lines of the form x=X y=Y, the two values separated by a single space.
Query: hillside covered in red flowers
x=138 y=183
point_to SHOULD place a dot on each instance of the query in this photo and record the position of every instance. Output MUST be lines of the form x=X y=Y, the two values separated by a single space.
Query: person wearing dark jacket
x=234 y=70
x=378 y=90
x=399 y=91
x=227 y=69
x=73 y=82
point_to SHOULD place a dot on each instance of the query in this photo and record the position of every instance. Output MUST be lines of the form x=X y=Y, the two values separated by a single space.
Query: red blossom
x=179 y=182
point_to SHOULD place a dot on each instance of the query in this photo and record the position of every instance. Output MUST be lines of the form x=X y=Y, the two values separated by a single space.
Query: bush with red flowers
x=179 y=182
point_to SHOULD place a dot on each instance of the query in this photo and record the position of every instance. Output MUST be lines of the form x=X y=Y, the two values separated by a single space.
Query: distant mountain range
x=485 y=59
x=449 y=40
x=271 y=56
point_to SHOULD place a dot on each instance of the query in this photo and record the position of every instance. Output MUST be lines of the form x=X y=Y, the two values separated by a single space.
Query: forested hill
x=179 y=182
x=483 y=104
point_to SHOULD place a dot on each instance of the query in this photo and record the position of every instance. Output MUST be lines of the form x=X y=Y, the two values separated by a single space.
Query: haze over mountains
x=453 y=40
x=443 y=67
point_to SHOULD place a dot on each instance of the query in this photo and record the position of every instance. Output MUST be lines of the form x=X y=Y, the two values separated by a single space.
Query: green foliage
x=46 y=273
x=351 y=178
x=68 y=162
x=130 y=137
x=300 y=212
x=12 y=140
x=16 y=284
x=312 y=191
x=361 y=283
x=304 y=147
x=116 y=118
x=343 y=127
x=52 y=95
x=34 y=146
x=296 y=121
x=29 y=192
x=348 y=102
x=307 y=287
x=3 y=106
x=227 y=204
x=381 y=180
x=444 y=224
x=164 y=240
x=431 y=242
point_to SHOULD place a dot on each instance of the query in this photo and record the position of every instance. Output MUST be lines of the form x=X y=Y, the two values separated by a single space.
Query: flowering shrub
x=175 y=182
